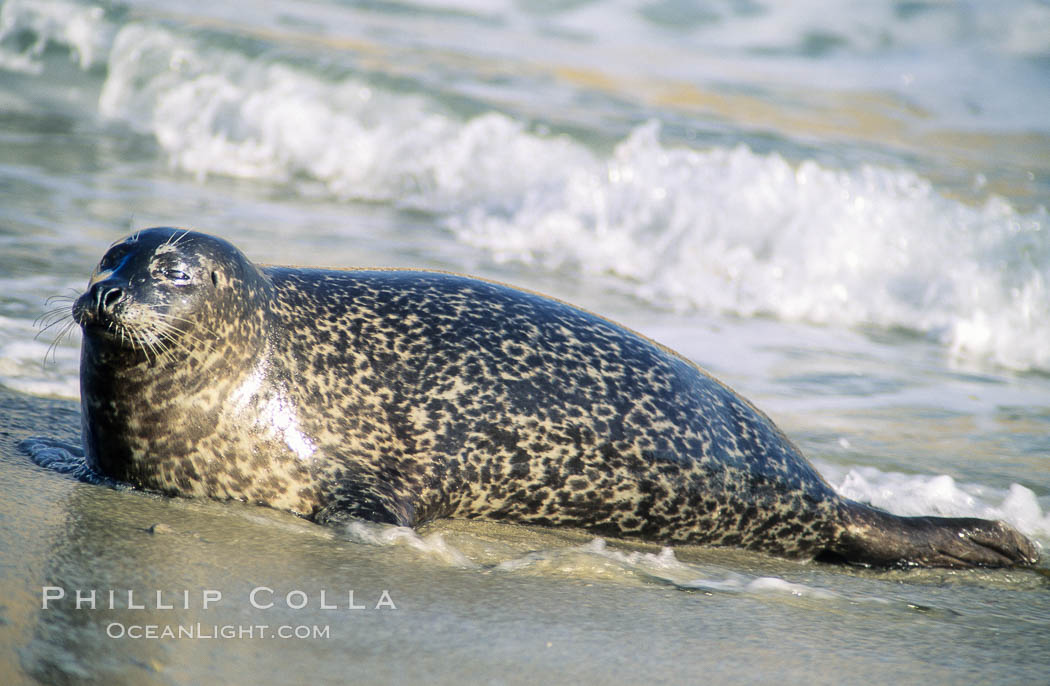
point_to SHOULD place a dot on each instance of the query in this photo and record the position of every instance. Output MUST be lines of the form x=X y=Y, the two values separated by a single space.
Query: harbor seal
x=402 y=396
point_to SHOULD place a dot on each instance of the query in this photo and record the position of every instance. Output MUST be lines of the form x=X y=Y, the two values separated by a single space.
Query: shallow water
x=464 y=601
x=839 y=211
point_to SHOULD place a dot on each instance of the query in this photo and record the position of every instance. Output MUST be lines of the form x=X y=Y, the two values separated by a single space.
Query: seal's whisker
x=175 y=237
x=182 y=342
x=66 y=329
x=65 y=319
x=53 y=348
x=168 y=346
x=153 y=336
x=136 y=340
x=185 y=233
x=50 y=301
x=143 y=343
x=61 y=297
x=147 y=342
x=174 y=336
x=164 y=345
x=135 y=337
x=166 y=338
x=189 y=335
x=160 y=351
x=52 y=317
x=168 y=318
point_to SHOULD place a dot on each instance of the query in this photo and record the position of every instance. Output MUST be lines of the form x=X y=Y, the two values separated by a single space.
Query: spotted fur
x=403 y=396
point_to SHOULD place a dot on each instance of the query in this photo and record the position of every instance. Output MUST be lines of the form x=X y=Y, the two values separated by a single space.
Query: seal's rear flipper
x=873 y=537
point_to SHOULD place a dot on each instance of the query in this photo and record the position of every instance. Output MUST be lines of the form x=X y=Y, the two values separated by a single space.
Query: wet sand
x=520 y=607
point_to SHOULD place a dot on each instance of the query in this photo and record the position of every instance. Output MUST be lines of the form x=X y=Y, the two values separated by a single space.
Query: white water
x=914 y=495
x=717 y=229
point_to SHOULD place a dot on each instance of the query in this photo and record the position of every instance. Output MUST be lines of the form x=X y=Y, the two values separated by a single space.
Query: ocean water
x=838 y=208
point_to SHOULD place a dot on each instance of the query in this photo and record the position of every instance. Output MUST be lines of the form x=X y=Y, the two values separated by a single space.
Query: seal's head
x=157 y=293
x=173 y=321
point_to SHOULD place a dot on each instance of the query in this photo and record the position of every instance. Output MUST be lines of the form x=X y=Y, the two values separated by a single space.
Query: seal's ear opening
x=215 y=279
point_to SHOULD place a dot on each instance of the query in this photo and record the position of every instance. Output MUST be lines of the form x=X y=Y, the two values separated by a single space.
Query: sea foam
x=723 y=230
x=941 y=495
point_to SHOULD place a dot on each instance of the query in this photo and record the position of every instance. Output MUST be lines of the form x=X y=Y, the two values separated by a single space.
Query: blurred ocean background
x=838 y=208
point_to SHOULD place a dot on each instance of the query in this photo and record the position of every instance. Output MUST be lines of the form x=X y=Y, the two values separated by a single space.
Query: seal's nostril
x=107 y=297
x=112 y=297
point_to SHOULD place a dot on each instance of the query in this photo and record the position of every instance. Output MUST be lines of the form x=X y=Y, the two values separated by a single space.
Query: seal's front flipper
x=64 y=458
x=873 y=537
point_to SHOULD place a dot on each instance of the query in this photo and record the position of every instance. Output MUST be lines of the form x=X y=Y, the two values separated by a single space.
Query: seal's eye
x=176 y=275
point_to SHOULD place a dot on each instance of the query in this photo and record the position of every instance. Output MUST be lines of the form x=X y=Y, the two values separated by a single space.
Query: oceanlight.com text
x=120 y=630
